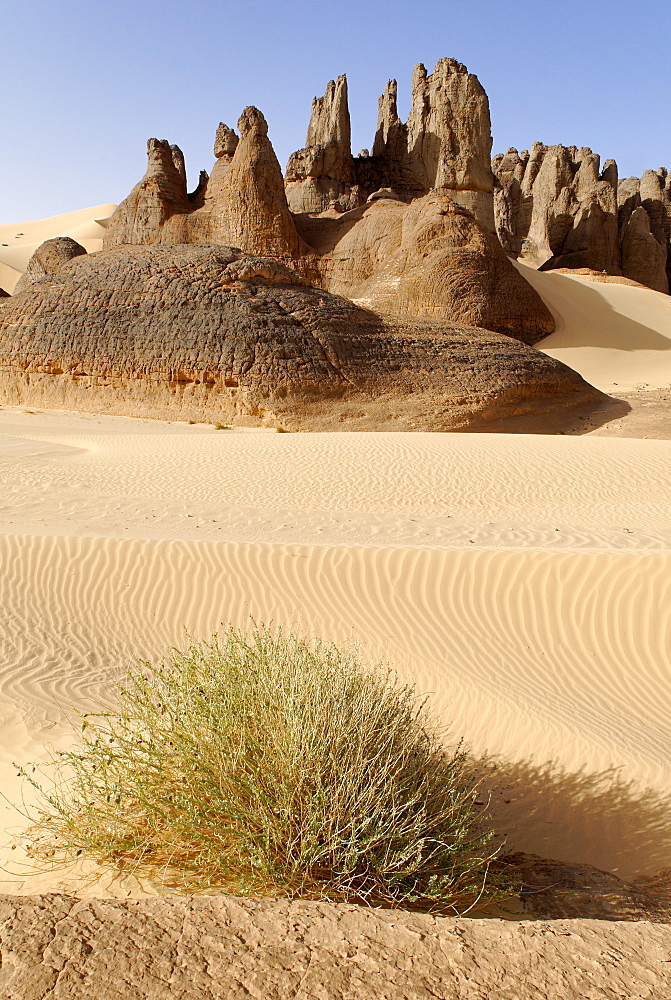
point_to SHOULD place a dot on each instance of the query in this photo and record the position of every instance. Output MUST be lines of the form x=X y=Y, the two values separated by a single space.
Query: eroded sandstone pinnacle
x=445 y=146
x=556 y=208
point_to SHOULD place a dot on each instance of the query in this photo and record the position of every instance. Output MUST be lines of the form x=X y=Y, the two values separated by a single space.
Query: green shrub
x=275 y=766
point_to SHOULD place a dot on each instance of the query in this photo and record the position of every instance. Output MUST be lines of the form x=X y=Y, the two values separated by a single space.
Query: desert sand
x=523 y=582
x=19 y=241
x=617 y=336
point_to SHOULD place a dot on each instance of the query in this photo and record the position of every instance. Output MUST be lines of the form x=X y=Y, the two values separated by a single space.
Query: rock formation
x=449 y=137
x=48 y=257
x=198 y=332
x=323 y=172
x=216 y=947
x=554 y=203
x=432 y=168
x=427 y=260
x=643 y=258
x=555 y=209
x=445 y=146
x=243 y=203
x=646 y=242
x=159 y=195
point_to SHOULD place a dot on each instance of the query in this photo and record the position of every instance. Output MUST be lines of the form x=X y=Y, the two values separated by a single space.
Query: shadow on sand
x=574 y=421
x=594 y=819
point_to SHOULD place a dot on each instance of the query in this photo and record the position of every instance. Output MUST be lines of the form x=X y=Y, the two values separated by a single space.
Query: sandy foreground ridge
x=522 y=580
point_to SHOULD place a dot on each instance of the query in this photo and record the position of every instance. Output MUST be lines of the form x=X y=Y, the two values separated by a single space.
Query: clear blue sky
x=86 y=82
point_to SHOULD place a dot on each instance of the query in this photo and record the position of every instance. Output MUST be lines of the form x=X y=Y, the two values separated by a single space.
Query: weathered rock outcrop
x=225 y=144
x=243 y=203
x=323 y=172
x=159 y=195
x=225 y=948
x=449 y=137
x=646 y=242
x=427 y=260
x=48 y=257
x=445 y=146
x=403 y=260
x=554 y=208
x=643 y=257
x=199 y=332
x=554 y=203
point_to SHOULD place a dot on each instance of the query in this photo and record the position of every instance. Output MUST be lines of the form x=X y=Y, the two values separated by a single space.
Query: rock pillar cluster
x=242 y=203
x=445 y=146
x=555 y=202
x=645 y=228
x=555 y=207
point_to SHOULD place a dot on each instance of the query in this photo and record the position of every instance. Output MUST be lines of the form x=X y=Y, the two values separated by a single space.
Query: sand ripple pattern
x=531 y=656
x=459 y=489
x=547 y=650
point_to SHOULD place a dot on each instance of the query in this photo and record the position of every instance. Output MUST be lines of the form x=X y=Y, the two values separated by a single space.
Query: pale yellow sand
x=523 y=581
x=19 y=241
x=617 y=336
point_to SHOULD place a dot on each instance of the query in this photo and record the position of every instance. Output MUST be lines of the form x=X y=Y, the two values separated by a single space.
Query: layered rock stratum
x=207 y=332
x=214 y=947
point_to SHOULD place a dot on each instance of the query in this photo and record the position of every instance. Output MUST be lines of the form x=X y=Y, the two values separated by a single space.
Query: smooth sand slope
x=523 y=581
x=19 y=241
x=617 y=336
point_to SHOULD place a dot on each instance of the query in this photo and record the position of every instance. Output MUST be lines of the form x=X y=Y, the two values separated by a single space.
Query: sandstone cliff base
x=197 y=332
x=223 y=948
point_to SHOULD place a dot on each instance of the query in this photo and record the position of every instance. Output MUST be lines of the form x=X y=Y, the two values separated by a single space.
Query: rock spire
x=323 y=172
x=445 y=146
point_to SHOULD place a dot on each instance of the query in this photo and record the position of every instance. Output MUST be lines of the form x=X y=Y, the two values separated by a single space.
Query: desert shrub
x=273 y=765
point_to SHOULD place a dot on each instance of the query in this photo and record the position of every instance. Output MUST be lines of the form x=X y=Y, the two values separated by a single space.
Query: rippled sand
x=524 y=582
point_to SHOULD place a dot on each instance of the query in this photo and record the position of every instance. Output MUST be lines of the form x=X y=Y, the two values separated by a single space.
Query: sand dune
x=617 y=336
x=19 y=241
x=524 y=582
